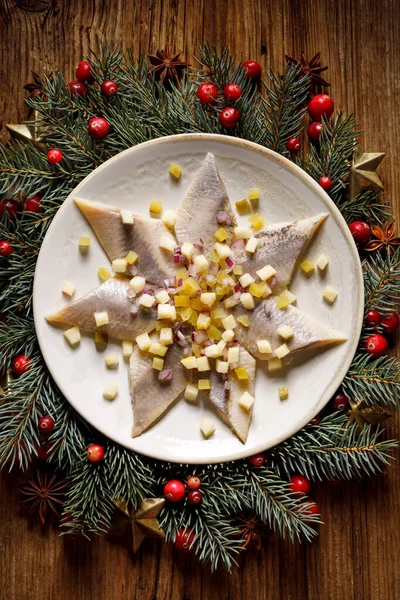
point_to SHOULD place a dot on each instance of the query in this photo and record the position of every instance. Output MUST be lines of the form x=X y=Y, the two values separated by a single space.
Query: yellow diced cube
x=218 y=313
x=201 y=263
x=190 y=362
x=257 y=221
x=274 y=364
x=230 y=302
x=207 y=428
x=181 y=273
x=196 y=304
x=190 y=286
x=228 y=335
x=169 y=218
x=202 y=363
x=162 y=297
x=131 y=257
x=246 y=401
x=127 y=348
x=244 y=320
x=191 y=392
x=181 y=301
x=203 y=321
x=196 y=349
x=242 y=206
x=221 y=235
x=155 y=207
x=166 y=337
x=246 y=279
x=241 y=373
x=84 y=243
x=208 y=298
x=143 y=341
x=283 y=393
x=175 y=170
x=254 y=196
x=73 y=336
x=266 y=272
x=157 y=363
x=110 y=390
x=157 y=348
x=242 y=233
x=282 y=351
x=330 y=294
x=100 y=340
x=112 y=361
x=285 y=331
x=256 y=290
x=307 y=267
x=229 y=322
x=167 y=243
x=237 y=270
x=104 y=273
x=186 y=313
x=214 y=333
x=285 y=299
x=204 y=384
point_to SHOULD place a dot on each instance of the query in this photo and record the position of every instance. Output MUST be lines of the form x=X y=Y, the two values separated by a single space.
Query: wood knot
x=33 y=5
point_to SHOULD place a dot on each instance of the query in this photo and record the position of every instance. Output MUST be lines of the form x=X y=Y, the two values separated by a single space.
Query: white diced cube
x=68 y=289
x=228 y=335
x=143 y=341
x=211 y=351
x=330 y=294
x=191 y=393
x=200 y=262
x=247 y=301
x=169 y=218
x=167 y=243
x=274 y=364
x=252 y=244
x=246 y=279
x=137 y=283
x=266 y=272
x=147 y=301
x=127 y=348
x=119 y=265
x=166 y=336
x=208 y=298
x=207 y=428
x=165 y=311
x=282 y=351
x=246 y=401
x=112 y=361
x=202 y=363
x=101 y=318
x=162 y=297
x=229 y=322
x=222 y=250
x=158 y=349
x=285 y=331
x=322 y=262
x=187 y=249
x=73 y=336
x=222 y=366
x=233 y=355
x=264 y=347
x=127 y=217
x=242 y=233
x=110 y=390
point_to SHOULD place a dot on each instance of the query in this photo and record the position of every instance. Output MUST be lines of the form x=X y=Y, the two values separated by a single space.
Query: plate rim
x=309 y=182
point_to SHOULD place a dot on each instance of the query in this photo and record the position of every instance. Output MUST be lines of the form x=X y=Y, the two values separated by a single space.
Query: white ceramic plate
x=131 y=180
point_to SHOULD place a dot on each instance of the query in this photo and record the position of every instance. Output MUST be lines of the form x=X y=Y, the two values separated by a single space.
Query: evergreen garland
x=143 y=109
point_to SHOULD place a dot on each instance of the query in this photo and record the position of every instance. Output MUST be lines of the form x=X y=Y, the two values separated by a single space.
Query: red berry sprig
x=184 y=540
x=316 y=420
x=194 y=497
x=252 y=69
x=10 y=206
x=373 y=318
x=95 y=453
x=21 y=364
x=391 y=322
x=360 y=231
x=376 y=345
x=319 y=106
x=193 y=482
x=312 y=509
x=33 y=204
x=229 y=117
x=77 y=88
x=326 y=183
x=314 y=132
x=83 y=72
x=54 y=156
x=46 y=424
x=207 y=93
x=5 y=248
x=98 y=128
x=174 y=490
x=232 y=92
x=257 y=460
x=300 y=484
x=293 y=145
x=109 y=88
x=340 y=402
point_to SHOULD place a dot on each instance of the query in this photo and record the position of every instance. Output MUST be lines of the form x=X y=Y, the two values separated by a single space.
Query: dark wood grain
x=356 y=556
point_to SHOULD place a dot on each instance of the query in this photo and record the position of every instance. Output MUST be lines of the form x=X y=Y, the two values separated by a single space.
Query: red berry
x=98 y=128
x=340 y=402
x=109 y=88
x=195 y=497
x=184 y=539
x=207 y=93
x=21 y=364
x=373 y=318
x=293 y=144
x=316 y=420
x=229 y=117
x=360 y=231
x=193 y=482
x=5 y=248
x=46 y=424
x=43 y=451
x=314 y=132
x=312 y=509
x=174 y=490
x=252 y=68
x=390 y=322
x=54 y=156
x=10 y=206
x=232 y=92
x=95 y=453
x=257 y=460
x=320 y=105
x=325 y=183
x=300 y=484
x=33 y=204
x=77 y=88
x=83 y=73
x=376 y=345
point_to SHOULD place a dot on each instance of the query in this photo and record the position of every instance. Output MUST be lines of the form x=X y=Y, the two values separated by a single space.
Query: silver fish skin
x=196 y=220
x=264 y=323
x=143 y=237
x=227 y=401
x=111 y=296
x=280 y=246
x=150 y=397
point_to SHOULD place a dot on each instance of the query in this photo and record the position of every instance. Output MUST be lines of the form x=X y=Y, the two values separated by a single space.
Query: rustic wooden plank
x=356 y=556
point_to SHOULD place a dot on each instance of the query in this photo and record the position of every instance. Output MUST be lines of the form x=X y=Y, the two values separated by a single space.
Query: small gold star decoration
x=363 y=414
x=5 y=379
x=144 y=520
x=383 y=239
x=28 y=131
x=363 y=171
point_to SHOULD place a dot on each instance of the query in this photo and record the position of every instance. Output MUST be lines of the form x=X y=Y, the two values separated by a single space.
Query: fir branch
x=220 y=67
x=374 y=381
x=128 y=474
x=366 y=206
x=382 y=281
x=17 y=336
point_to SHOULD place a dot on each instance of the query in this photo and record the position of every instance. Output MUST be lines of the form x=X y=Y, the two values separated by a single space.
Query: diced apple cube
x=104 y=273
x=307 y=267
x=112 y=361
x=247 y=301
x=330 y=294
x=203 y=321
x=155 y=207
x=200 y=262
x=137 y=283
x=222 y=366
x=204 y=384
x=101 y=318
x=241 y=373
x=208 y=298
x=175 y=170
x=191 y=392
x=110 y=390
x=119 y=265
x=244 y=320
x=169 y=218
x=246 y=279
x=242 y=233
x=73 y=336
x=167 y=243
x=207 y=428
x=162 y=297
x=166 y=311
x=68 y=289
x=221 y=235
x=264 y=347
x=285 y=299
x=258 y=289
x=84 y=243
x=157 y=348
x=190 y=362
x=285 y=331
x=230 y=302
x=233 y=355
x=274 y=364
x=181 y=301
x=222 y=250
x=127 y=217
x=131 y=257
x=147 y=301
x=127 y=348
x=246 y=401
x=256 y=221
x=282 y=351
x=202 y=363
x=143 y=341
x=166 y=336
x=157 y=363
x=187 y=249
x=283 y=393
x=229 y=322
x=228 y=335
x=211 y=351
x=100 y=340
x=237 y=270
x=266 y=272
x=242 y=206
x=252 y=244
x=190 y=286
x=254 y=194
x=322 y=262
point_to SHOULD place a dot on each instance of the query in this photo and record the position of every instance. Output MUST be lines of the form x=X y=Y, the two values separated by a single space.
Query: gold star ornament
x=28 y=131
x=363 y=414
x=144 y=521
x=363 y=171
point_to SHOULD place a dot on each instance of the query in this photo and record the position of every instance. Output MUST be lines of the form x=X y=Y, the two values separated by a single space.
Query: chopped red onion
x=229 y=262
x=177 y=250
x=165 y=375
x=238 y=245
x=148 y=290
x=130 y=293
x=237 y=287
x=227 y=386
x=168 y=283
x=199 y=336
x=207 y=343
x=225 y=282
x=223 y=217
x=186 y=351
x=180 y=282
x=192 y=270
x=176 y=258
x=209 y=277
x=134 y=309
x=132 y=270
x=182 y=259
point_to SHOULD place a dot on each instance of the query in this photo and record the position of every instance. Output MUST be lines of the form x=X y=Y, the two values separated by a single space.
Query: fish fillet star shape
x=197 y=325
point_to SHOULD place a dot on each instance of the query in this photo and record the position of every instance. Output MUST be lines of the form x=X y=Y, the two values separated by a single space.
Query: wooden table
x=357 y=554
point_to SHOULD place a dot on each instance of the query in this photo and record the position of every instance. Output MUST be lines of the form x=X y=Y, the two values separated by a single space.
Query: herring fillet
x=267 y=317
x=111 y=297
x=151 y=398
x=227 y=401
x=143 y=237
x=280 y=246
x=196 y=220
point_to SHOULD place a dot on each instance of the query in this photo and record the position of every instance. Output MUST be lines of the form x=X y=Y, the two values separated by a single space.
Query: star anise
x=382 y=239
x=44 y=492
x=35 y=87
x=166 y=65
x=252 y=530
x=310 y=67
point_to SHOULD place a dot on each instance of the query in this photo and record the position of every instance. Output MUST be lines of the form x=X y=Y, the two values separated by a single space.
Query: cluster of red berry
x=208 y=93
x=174 y=491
